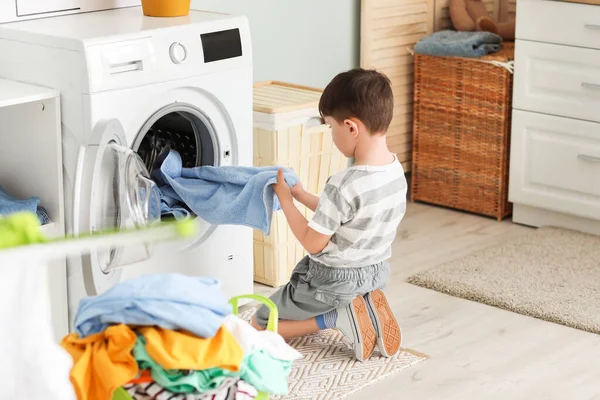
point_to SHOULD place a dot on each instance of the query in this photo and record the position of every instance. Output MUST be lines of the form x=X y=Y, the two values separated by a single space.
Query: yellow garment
x=183 y=350
x=103 y=362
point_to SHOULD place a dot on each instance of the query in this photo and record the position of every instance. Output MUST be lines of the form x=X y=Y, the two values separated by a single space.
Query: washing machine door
x=113 y=191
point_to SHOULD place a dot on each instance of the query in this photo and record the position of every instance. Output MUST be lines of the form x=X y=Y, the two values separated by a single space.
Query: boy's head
x=356 y=103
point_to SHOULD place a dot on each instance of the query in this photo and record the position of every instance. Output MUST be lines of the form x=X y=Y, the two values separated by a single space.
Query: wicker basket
x=461 y=136
x=289 y=132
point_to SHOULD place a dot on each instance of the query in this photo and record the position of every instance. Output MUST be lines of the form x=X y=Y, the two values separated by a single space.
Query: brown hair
x=359 y=93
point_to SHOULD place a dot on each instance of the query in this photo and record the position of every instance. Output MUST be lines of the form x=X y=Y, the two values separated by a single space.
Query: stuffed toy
x=472 y=15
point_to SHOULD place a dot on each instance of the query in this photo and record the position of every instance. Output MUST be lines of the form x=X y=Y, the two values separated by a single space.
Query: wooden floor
x=477 y=352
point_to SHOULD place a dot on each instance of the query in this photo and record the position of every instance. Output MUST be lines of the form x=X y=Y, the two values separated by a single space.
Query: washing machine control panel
x=177 y=52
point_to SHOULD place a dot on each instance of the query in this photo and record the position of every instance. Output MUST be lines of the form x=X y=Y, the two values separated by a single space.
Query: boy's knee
x=260 y=318
x=255 y=324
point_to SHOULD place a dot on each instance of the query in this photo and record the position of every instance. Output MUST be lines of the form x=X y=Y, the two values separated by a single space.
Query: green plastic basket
x=121 y=394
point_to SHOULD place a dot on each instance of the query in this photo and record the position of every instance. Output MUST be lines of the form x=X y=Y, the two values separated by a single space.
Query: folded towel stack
x=11 y=205
x=172 y=337
x=459 y=44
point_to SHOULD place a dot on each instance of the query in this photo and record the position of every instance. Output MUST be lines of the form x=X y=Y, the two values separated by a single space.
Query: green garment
x=264 y=372
x=20 y=229
x=259 y=369
x=177 y=381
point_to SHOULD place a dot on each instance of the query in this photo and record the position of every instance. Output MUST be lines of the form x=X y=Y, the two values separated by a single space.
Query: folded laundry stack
x=459 y=44
x=11 y=205
x=170 y=336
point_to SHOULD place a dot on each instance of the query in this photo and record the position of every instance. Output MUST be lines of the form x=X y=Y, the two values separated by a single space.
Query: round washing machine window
x=187 y=130
x=179 y=127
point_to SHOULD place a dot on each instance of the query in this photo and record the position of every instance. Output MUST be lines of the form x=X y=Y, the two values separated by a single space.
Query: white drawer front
x=557 y=80
x=559 y=22
x=555 y=164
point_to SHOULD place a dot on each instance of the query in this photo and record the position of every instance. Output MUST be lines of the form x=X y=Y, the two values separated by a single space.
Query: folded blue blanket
x=10 y=205
x=459 y=44
x=171 y=301
x=229 y=195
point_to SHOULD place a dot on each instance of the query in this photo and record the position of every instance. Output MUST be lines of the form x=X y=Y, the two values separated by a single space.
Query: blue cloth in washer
x=227 y=195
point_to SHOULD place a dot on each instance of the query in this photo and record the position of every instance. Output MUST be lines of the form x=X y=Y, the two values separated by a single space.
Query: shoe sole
x=390 y=337
x=365 y=326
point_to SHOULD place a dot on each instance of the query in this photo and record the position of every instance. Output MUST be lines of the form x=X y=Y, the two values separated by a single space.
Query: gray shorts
x=315 y=289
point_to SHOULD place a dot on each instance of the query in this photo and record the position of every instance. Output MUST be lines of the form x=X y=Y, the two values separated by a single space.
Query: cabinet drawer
x=555 y=164
x=557 y=80
x=559 y=22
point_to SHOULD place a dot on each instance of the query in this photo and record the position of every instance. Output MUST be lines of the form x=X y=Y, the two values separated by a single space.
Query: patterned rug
x=328 y=369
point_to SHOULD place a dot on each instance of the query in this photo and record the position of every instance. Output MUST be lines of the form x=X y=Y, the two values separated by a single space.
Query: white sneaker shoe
x=354 y=322
x=389 y=334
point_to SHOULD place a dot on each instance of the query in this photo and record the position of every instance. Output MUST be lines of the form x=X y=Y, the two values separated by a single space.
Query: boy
x=350 y=236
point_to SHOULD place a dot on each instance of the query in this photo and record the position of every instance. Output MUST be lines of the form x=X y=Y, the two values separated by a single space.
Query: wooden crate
x=461 y=140
x=289 y=132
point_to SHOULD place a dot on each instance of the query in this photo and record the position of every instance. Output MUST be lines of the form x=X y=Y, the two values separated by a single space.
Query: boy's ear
x=352 y=125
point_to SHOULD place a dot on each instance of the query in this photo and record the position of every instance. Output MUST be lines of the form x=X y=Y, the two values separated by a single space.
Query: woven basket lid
x=280 y=97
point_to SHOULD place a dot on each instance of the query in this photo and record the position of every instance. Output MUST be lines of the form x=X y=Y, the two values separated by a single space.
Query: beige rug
x=550 y=274
x=328 y=369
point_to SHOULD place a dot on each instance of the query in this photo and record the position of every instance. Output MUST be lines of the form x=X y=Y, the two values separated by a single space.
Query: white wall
x=300 y=41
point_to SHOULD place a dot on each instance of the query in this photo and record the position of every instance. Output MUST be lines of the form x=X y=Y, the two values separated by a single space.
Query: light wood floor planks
x=477 y=352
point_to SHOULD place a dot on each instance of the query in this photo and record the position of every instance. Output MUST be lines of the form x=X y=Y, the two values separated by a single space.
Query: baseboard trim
x=537 y=217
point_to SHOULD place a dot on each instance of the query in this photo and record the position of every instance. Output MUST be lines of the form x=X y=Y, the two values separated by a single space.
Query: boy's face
x=344 y=134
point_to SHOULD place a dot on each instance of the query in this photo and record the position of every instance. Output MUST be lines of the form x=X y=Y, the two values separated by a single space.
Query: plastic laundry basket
x=121 y=394
x=271 y=324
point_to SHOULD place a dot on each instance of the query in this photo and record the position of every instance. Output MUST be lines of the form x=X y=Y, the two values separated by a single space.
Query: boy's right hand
x=297 y=190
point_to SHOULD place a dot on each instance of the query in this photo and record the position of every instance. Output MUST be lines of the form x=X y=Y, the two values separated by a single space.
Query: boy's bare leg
x=293 y=329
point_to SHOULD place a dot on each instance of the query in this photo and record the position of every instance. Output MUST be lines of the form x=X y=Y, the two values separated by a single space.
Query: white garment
x=249 y=339
x=33 y=365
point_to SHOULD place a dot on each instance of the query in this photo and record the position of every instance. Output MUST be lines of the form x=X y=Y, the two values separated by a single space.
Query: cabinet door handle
x=588 y=158
x=592 y=27
x=588 y=85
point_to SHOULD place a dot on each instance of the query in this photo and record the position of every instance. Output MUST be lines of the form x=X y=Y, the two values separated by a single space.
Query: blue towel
x=170 y=301
x=459 y=44
x=10 y=205
x=221 y=195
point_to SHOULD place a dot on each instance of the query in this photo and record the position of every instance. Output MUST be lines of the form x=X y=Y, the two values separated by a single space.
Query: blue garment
x=459 y=44
x=170 y=301
x=10 y=205
x=230 y=195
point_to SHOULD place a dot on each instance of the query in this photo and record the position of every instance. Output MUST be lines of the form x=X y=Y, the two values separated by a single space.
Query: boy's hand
x=297 y=190
x=282 y=190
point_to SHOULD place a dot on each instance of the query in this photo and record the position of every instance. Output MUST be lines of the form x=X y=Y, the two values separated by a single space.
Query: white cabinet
x=556 y=164
x=31 y=165
x=557 y=80
x=555 y=143
x=559 y=22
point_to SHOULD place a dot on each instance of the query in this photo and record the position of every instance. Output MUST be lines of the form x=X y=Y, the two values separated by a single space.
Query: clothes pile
x=170 y=336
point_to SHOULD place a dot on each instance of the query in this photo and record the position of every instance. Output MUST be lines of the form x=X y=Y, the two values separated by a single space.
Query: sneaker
x=389 y=334
x=354 y=322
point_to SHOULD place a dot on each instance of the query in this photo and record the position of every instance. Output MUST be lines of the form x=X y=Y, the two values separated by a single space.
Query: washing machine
x=132 y=87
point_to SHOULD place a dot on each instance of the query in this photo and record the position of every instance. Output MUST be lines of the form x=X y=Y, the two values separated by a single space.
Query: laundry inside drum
x=186 y=131
x=172 y=132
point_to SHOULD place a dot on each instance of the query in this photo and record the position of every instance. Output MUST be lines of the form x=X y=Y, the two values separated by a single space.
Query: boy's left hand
x=282 y=190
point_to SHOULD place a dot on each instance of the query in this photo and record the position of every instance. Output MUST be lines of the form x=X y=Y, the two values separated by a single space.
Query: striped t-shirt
x=361 y=208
